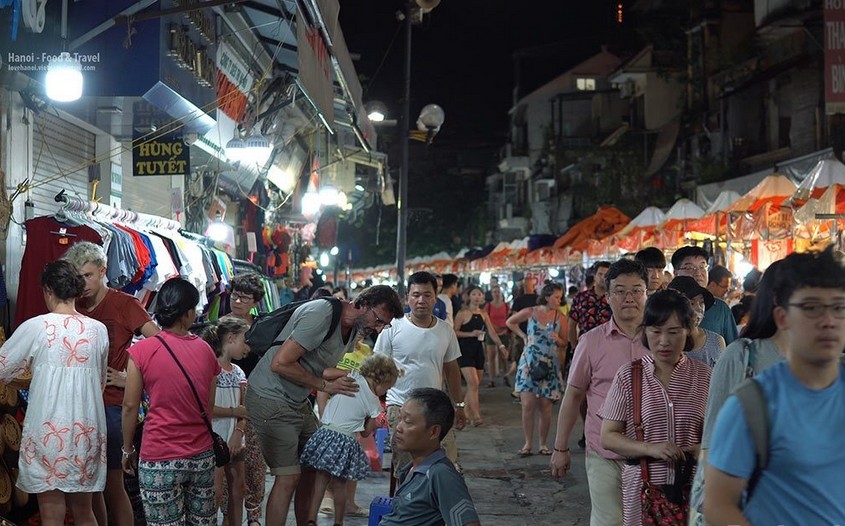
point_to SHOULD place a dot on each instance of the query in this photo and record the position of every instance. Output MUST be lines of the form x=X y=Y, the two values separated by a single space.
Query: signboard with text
x=834 y=56
x=165 y=155
x=315 y=72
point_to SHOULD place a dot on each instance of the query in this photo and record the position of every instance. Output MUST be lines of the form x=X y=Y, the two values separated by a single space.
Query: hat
x=690 y=288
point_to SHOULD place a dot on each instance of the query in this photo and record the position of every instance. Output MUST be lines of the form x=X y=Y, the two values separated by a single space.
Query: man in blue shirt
x=692 y=261
x=431 y=491
x=805 y=395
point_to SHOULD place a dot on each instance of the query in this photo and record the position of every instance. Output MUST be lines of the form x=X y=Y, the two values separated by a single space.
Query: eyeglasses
x=635 y=293
x=814 y=310
x=242 y=298
x=692 y=269
x=379 y=321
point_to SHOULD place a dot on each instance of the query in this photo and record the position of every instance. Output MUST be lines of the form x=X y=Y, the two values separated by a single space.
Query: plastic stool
x=381 y=439
x=379 y=507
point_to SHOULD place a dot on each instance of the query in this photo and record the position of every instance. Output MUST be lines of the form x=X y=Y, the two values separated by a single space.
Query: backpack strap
x=337 y=310
x=755 y=410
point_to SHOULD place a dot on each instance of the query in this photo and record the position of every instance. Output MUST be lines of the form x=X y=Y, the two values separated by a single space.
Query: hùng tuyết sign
x=165 y=155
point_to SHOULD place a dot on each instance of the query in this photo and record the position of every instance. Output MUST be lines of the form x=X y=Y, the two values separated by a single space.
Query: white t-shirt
x=347 y=413
x=228 y=394
x=420 y=352
x=450 y=314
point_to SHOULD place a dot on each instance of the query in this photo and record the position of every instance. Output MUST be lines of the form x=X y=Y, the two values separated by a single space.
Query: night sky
x=463 y=55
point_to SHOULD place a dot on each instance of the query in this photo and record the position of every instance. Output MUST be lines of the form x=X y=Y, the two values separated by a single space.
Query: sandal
x=545 y=451
x=524 y=452
x=491 y=384
x=507 y=381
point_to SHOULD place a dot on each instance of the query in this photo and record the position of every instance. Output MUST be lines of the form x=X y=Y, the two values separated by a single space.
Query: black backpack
x=266 y=328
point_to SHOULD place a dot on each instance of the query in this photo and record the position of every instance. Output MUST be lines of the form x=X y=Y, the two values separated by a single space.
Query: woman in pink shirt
x=674 y=395
x=176 y=466
x=498 y=310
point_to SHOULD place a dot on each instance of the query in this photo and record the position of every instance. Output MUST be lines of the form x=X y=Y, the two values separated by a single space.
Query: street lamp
x=430 y=120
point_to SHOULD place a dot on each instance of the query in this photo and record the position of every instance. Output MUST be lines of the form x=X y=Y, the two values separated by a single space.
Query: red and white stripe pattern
x=673 y=413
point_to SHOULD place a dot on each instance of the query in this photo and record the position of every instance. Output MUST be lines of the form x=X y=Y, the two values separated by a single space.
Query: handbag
x=540 y=370
x=660 y=505
x=221 y=448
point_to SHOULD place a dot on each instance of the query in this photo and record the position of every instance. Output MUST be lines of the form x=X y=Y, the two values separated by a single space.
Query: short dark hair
x=63 y=279
x=248 y=283
x=547 y=290
x=809 y=269
x=651 y=257
x=761 y=320
x=599 y=264
x=381 y=295
x=176 y=297
x=688 y=251
x=589 y=280
x=572 y=289
x=751 y=281
x=625 y=266
x=215 y=334
x=421 y=278
x=437 y=408
x=449 y=280
x=718 y=273
x=659 y=308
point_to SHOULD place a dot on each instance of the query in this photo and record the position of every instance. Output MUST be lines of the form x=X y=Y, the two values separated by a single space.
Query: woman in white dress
x=63 y=444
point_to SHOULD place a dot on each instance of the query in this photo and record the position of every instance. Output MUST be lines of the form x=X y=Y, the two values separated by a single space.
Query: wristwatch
x=460 y=405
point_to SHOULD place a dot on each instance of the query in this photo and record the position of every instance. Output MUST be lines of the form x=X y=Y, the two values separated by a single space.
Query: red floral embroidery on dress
x=53 y=468
x=77 y=320
x=50 y=330
x=74 y=350
x=84 y=432
x=55 y=432
x=87 y=468
x=30 y=451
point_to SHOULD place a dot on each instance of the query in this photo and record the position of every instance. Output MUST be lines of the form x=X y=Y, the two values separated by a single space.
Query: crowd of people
x=675 y=388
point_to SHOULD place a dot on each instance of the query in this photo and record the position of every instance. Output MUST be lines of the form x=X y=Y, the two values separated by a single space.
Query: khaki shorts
x=400 y=458
x=281 y=431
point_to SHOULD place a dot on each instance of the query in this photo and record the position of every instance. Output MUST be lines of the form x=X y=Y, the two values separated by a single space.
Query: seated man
x=431 y=491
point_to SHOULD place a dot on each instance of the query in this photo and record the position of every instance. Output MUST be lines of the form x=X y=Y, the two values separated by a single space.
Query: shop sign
x=834 y=56
x=165 y=155
x=234 y=82
x=315 y=68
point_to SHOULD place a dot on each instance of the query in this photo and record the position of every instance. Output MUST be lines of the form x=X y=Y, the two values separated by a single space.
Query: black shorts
x=473 y=357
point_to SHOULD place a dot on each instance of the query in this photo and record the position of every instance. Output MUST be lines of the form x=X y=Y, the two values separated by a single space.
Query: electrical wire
x=383 y=58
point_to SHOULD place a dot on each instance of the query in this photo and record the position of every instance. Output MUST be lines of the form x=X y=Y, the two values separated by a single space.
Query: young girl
x=228 y=418
x=333 y=450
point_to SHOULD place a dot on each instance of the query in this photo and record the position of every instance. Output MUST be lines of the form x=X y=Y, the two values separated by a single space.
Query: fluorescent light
x=64 y=78
x=359 y=187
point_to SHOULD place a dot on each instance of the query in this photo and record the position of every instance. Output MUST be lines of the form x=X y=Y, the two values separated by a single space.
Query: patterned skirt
x=336 y=453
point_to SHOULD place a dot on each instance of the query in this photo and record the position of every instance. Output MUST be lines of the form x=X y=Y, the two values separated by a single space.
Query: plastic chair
x=379 y=507
x=381 y=440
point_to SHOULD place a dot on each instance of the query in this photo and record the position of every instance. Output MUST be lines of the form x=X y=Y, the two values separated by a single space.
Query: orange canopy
x=606 y=222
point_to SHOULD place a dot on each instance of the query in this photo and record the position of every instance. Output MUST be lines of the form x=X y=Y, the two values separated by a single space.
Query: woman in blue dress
x=538 y=377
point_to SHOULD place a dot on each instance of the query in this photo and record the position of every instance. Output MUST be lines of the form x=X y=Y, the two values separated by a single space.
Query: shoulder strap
x=751 y=357
x=755 y=410
x=637 y=388
x=190 y=383
x=337 y=309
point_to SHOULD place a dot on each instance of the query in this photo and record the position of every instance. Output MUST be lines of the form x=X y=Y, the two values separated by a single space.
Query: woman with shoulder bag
x=538 y=376
x=760 y=346
x=654 y=414
x=179 y=372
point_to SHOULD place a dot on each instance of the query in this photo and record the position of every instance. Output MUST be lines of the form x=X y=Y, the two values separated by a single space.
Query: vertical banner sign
x=234 y=82
x=834 y=56
x=315 y=67
x=165 y=155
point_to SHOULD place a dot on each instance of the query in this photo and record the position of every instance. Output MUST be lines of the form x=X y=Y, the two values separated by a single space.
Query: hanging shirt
x=44 y=244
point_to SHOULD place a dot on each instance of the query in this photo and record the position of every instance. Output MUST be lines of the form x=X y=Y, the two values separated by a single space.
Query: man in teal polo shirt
x=431 y=491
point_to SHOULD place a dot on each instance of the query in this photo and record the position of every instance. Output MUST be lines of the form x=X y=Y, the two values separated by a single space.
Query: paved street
x=507 y=490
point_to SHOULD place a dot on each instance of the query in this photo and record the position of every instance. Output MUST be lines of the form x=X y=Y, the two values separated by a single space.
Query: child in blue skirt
x=333 y=452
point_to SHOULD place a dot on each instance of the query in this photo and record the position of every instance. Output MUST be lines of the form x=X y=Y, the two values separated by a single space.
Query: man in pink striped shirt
x=599 y=354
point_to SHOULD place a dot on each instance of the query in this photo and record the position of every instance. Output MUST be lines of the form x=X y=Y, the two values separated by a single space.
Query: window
x=585 y=84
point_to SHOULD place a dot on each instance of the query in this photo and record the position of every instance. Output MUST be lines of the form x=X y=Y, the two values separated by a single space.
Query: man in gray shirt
x=432 y=492
x=277 y=397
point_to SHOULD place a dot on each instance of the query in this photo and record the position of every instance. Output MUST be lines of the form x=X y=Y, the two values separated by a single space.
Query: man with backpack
x=302 y=359
x=776 y=445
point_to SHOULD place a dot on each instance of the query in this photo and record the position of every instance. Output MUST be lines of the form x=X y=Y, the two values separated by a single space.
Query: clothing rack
x=98 y=210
